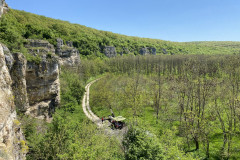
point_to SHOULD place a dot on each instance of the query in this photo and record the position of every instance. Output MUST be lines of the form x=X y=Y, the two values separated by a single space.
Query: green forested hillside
x=16 y=26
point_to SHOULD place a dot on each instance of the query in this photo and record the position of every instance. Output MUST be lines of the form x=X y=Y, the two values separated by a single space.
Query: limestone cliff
x=68 y=55
x=31 y=86
x=12 y=143
x=35 y=84
x=42 y=80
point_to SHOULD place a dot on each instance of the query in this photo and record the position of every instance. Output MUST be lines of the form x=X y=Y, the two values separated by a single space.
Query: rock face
x=3 y=7
x=39 y=47
x=43 y=88
x=12 y=142
x=110 y=51
x=31 y=87
x=69 y=56
x=18 y=74
x=148 y=50
x=42 y=80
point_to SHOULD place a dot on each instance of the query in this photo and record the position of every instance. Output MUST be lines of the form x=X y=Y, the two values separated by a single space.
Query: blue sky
x=174 y=20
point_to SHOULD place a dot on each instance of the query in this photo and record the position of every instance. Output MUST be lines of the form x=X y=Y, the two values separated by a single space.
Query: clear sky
x=174 y=20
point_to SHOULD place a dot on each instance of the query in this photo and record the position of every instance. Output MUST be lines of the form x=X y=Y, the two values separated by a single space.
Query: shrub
x=139 y=144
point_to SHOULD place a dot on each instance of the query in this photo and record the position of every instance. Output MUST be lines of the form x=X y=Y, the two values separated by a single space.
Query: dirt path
x=88 y=112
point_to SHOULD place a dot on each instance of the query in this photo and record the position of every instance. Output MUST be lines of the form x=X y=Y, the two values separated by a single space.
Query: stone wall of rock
x=12 y=142
x=43 y=88
x=42 y=80
x=68 y=55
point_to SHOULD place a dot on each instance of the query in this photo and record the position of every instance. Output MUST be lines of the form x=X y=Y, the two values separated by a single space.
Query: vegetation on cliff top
x=16 y=26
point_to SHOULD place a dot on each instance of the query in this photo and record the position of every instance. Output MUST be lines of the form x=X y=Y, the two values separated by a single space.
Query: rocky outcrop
x=31 y=87
x=69 y=56
x=148 y=50
x=8 y=57
x=42 y=80
x=12 y=142
x=110 y=51
x=43 y=87
x=39 y=47
x=59 y=46
x=3 y=7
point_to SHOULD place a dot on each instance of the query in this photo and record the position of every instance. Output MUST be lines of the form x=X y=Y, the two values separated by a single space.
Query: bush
x=140 y=144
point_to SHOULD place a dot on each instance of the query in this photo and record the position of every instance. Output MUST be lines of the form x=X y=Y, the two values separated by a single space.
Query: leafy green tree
x=141 y=144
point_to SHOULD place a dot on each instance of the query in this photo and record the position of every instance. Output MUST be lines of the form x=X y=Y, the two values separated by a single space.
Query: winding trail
x=88 y=112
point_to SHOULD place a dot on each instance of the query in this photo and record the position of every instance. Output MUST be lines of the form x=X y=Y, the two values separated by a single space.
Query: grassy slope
x=19 y=25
